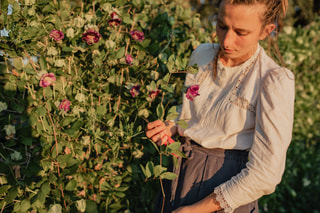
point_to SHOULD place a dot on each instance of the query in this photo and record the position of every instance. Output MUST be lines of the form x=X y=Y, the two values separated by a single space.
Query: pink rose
x=192 y=92
x=65 y=105
x=47 y=80
x=137 y=35
x=154 y=93
x=91 y=36
x=129 y=59
x=115 y=20
x=56 y=35
x=135 y=90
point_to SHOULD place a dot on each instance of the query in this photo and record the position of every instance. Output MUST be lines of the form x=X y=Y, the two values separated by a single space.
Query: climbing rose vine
x=80 y=80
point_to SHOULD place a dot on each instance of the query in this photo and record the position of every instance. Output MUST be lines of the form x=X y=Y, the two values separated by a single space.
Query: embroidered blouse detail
x=247 y=107
x=223 y=203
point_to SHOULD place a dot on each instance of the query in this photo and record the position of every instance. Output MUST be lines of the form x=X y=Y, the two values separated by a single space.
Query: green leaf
x=66 y=121
x=33 y=119
x=27 y=141
x=182 y=123
x=25 y=205
x=43 y=62
x=120 y=53
x=168 y=176
x=101 y=110
x=4 y=5
x=41 y=111
x=160 y=111
x=75 y=127
x=91 y=207
x=170 y=66
x=180 y=154
x=45 y=188
x=173 y=146
x=148 y=170
x=12 y=194
x=163 y=57
x=145 y=43
x=67 y=49
x=72 y=185
x=81 y=205
x=18 y=63
x=144 y=113
x=56 y=208
x=4 y=189
x=48 y=92
x=172 y=116
x=158 y=170
x=166 y=77
x=63 y=160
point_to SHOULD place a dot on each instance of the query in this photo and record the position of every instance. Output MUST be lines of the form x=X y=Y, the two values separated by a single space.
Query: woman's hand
x=158 y=131
x=206 y=205
x=184 y=209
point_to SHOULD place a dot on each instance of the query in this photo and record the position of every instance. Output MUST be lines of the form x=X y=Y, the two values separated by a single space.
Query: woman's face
x=239 y=28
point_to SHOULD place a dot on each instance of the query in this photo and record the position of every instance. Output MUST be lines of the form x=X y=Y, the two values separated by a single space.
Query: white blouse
x=247 y=107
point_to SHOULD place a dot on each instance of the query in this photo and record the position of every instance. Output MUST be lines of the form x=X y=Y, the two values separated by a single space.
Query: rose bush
x=79 y=82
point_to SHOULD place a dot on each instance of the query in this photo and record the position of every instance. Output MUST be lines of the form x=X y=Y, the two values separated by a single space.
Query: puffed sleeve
x=273 y=132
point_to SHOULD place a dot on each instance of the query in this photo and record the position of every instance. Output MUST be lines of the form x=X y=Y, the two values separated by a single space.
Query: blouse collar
x=240 y=66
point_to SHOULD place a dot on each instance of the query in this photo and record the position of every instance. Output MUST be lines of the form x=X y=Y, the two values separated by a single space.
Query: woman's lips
x=228 y=50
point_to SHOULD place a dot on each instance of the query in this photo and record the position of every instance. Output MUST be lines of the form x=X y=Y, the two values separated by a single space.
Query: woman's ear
x=267 y=30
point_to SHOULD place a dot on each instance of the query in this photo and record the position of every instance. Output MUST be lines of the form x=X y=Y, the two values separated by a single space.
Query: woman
x=240 y=126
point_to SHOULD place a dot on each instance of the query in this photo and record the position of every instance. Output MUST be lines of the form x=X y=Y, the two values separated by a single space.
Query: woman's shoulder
x=273 y=72
x=204 y=54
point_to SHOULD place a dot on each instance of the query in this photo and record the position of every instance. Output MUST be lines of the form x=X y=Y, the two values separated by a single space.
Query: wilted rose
x=166 y=140
x=135 y=90
x=115 y=20
x=91 y=36
x=154 y=93
x=47 y=79
x=137 y=35
x=192 y=92
x=129 y=59
x=65 y=105
x=56 y=35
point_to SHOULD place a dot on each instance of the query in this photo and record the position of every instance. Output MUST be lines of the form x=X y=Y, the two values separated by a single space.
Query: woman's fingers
x=155 y=133
x=154 y=124
x=156 y=130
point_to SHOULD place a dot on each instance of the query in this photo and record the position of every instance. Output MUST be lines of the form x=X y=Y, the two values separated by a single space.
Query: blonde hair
x=274 y=8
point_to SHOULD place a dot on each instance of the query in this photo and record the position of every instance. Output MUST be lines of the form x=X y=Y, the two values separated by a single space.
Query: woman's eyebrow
x=220 y=21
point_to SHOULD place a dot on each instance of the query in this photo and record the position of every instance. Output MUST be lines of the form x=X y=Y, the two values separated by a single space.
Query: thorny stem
x=62 y=194
x=162 y=189
x=4 y=204
x=31 y=61
x=54 y=130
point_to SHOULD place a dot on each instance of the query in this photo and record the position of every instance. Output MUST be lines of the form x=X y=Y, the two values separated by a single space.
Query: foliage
x=300 y=188
x=79 y=82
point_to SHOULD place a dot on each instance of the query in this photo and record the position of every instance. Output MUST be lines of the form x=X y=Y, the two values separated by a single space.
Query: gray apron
x=199 y=174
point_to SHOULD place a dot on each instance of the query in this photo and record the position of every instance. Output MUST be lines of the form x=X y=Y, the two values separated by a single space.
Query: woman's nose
x=228 y=39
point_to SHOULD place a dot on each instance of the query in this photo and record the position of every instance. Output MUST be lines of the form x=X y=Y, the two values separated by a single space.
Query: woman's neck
x=232 y=62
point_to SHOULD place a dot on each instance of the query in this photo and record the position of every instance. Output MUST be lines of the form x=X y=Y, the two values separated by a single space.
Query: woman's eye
x=242 y=33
